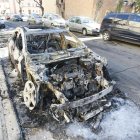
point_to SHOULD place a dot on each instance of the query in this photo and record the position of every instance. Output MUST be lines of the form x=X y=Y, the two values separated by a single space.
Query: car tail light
x=100 y=25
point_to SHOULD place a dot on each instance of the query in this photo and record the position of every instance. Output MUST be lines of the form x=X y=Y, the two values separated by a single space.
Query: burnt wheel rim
x=29 y=95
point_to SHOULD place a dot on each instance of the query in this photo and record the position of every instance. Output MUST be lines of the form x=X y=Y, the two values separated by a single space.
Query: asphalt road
x=123 y=61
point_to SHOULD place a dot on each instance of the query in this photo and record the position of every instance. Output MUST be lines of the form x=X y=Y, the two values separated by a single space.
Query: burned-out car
x=59 y=69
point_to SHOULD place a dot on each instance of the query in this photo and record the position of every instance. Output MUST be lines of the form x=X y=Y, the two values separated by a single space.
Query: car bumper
x=38 y=23
x=83 y=102
x=19 y=19
x=60 y=25
x=93 y=32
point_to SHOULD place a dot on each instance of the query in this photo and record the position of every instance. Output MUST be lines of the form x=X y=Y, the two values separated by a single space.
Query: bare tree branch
x=19 y=2
x=39 y=2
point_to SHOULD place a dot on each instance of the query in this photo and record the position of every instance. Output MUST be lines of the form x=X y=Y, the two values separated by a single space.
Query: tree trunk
x=42 y=9
x=20 y=9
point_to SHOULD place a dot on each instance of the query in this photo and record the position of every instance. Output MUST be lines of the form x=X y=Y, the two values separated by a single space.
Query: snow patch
x=120 y=124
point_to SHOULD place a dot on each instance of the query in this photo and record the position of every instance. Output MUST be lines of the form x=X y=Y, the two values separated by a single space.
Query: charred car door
x=17 y=52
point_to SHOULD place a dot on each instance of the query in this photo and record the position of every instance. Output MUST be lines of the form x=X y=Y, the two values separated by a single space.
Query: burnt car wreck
x=58 y=68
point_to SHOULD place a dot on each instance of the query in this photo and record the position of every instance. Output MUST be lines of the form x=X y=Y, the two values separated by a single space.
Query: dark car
x=16 y=18
x=121 y=26
x=2 y=25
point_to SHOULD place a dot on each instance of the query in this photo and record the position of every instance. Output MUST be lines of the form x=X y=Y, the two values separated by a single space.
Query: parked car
x=58 y=68
x=2 y=25
x=53 y=20
x=16 y=18
x=84 y=25
x=121 y=26
x=34 y=19
x=25 y=17
x=7 y=16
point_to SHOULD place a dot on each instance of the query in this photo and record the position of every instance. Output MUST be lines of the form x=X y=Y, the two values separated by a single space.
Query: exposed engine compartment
x=75 y=78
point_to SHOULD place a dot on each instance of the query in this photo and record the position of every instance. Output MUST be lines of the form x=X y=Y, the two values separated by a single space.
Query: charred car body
x=57 y=67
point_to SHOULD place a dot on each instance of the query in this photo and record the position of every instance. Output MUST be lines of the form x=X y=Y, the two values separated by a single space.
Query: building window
x=28 y=4
x=29 y=11
x=22 y=10
x=36 y=11
x=62 y=1
x=33 y=10
x=37 y=5
x=33 y=5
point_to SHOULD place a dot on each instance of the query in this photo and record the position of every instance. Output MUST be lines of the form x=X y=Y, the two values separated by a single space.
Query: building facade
x=26 y=6
x=96 y=9
x=30 y=7
x=49 y=6
x=4 y=6
x=54 y=7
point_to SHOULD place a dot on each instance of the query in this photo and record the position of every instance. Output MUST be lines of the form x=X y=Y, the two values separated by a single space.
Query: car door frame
x=78 y=26
x=72 y=24
x=120 y=30
x=46 y=20
x=17 y=53
x=134 y=32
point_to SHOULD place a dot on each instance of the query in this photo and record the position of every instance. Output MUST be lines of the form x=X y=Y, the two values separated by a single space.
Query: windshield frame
x=36 y=16
x=56 y=16
x=90 y=20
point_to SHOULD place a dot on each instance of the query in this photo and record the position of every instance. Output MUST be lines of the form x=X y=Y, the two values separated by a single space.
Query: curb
x=9 y=125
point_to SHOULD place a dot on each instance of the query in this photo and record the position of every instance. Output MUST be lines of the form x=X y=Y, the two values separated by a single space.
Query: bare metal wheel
x=29 y=95
x=106 y=36
x=84 y=32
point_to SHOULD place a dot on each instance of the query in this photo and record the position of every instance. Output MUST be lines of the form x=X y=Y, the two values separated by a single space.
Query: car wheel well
x=84 y=28
x=84 y=31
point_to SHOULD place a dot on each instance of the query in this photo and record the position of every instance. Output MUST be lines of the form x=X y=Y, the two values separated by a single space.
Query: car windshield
x=56 y=17
x=50 y=42
x=88 y=20
x=18 y=16
x=37 y=16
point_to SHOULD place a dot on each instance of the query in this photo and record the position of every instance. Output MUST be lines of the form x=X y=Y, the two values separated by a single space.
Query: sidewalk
x=9 y=127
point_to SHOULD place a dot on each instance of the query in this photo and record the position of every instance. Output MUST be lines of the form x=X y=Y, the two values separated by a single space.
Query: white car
x=53 y=20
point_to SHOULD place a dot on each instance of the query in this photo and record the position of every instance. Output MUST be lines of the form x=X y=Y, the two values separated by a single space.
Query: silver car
x=53 y=20
x=2 y=25
x=34 y=19
x=84 y=25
